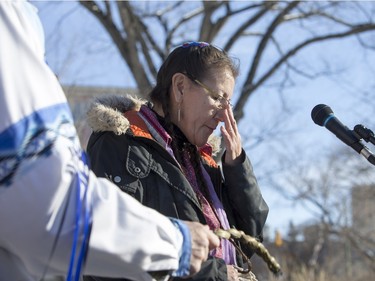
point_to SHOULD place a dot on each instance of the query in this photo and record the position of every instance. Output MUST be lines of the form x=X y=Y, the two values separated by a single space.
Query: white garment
x=39 y=161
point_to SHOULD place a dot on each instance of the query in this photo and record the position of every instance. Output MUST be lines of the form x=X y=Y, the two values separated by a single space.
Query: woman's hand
x=232 y=138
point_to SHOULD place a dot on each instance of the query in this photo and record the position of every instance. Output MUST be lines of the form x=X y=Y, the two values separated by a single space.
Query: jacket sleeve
x=244 y=196
x=127 y=239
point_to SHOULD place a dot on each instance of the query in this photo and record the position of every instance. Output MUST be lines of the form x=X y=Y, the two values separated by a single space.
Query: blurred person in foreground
x=161 y=151
x=56 y=217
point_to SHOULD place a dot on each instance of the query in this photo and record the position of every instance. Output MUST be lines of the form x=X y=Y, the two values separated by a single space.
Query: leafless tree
x=145 y=32
x=325 y=188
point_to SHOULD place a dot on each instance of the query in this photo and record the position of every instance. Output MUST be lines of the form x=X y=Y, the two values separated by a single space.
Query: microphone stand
x=361 y=132
x=365 y=133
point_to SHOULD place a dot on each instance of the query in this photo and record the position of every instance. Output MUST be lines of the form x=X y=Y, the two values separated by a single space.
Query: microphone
x=322 y=115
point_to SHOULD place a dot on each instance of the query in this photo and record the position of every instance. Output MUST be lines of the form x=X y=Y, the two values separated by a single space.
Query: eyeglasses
x=220 y=100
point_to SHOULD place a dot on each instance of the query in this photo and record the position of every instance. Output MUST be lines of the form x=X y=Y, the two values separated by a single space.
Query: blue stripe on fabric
x=49 y=117
x=87 y=221
x=83 y=222
x=184 y=262
x=33 y=136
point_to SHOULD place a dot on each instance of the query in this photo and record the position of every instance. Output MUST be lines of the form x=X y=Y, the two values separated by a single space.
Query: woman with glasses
x=161 y=151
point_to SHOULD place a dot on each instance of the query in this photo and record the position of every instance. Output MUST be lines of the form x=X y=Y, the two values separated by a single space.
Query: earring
x=179 y=109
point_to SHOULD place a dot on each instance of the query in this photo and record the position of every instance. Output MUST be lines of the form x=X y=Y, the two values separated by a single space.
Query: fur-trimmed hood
x=106 y=114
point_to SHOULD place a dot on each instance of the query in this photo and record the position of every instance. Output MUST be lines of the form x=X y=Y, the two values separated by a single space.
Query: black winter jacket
x=121 y=150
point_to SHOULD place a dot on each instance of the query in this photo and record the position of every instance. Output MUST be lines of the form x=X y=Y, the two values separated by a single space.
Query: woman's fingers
x=232 y=138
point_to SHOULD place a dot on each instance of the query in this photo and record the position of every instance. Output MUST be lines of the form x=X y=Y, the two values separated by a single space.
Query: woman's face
x=203 y=105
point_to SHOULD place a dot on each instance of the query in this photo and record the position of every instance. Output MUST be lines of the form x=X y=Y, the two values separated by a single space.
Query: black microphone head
x=320 y=113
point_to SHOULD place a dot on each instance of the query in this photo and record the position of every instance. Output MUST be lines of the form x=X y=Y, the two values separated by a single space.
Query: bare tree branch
x=238 y=109
x=250 y=86
x=126 y=45
x=239 y=32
